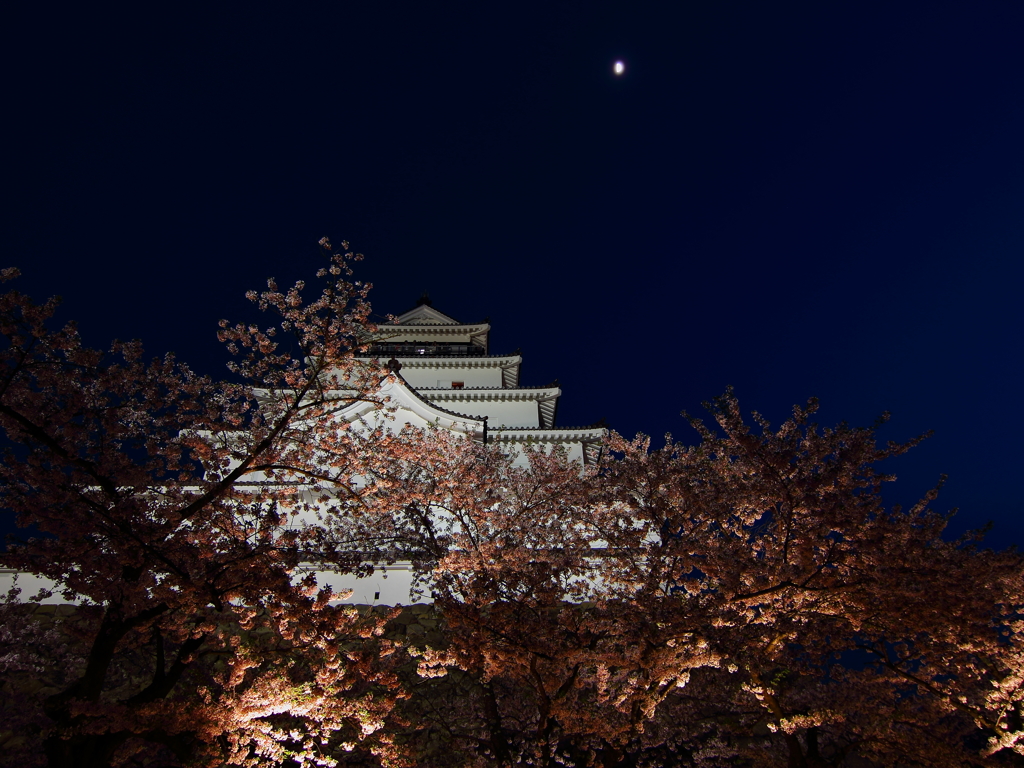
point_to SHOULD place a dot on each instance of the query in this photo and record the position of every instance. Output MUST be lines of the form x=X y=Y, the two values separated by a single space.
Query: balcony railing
x=411 y=349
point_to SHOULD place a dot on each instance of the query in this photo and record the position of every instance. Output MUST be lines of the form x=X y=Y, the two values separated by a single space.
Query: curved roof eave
x=447 y=329
x=401 y=395
x=490 y=394
x=552 y=434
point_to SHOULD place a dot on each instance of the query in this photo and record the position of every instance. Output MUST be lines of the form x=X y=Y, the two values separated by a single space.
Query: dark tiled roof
x=598 y=425
x=458 y=323
x=437 y=357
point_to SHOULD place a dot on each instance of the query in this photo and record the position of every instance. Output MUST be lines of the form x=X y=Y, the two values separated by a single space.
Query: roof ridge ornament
x=424 y=299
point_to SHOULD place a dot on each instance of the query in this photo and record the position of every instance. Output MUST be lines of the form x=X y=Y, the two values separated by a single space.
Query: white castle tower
x=447 y=376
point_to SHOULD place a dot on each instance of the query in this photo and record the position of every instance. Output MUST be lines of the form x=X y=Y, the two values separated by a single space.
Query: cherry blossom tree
x=746 y=601
x=169 y=503
x=843 y=627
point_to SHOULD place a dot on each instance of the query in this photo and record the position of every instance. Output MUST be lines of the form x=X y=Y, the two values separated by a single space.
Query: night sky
x=795 y=199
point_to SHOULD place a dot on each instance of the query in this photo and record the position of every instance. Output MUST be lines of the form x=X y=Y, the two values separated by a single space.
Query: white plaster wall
x=388 y=585
x=394 y=420
x=575 y=451
x=507 y=414
x=471 y=377
x=29 y=584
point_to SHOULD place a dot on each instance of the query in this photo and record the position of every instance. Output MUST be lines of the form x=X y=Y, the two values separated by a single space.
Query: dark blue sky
x=795 y=199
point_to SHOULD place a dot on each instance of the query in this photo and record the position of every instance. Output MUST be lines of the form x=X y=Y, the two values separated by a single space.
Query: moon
x=619 y=68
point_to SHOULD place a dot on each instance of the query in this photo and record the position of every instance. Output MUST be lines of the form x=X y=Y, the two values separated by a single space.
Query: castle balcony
x=427 y=349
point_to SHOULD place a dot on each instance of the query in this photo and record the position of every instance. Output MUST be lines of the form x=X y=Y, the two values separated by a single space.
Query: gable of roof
x=424 y=314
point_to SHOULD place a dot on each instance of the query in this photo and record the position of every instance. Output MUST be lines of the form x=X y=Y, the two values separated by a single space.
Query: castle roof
x=424 y=314
x=425 y=341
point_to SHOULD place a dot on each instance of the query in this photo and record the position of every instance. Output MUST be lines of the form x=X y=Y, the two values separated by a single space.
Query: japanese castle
x=446 y=375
